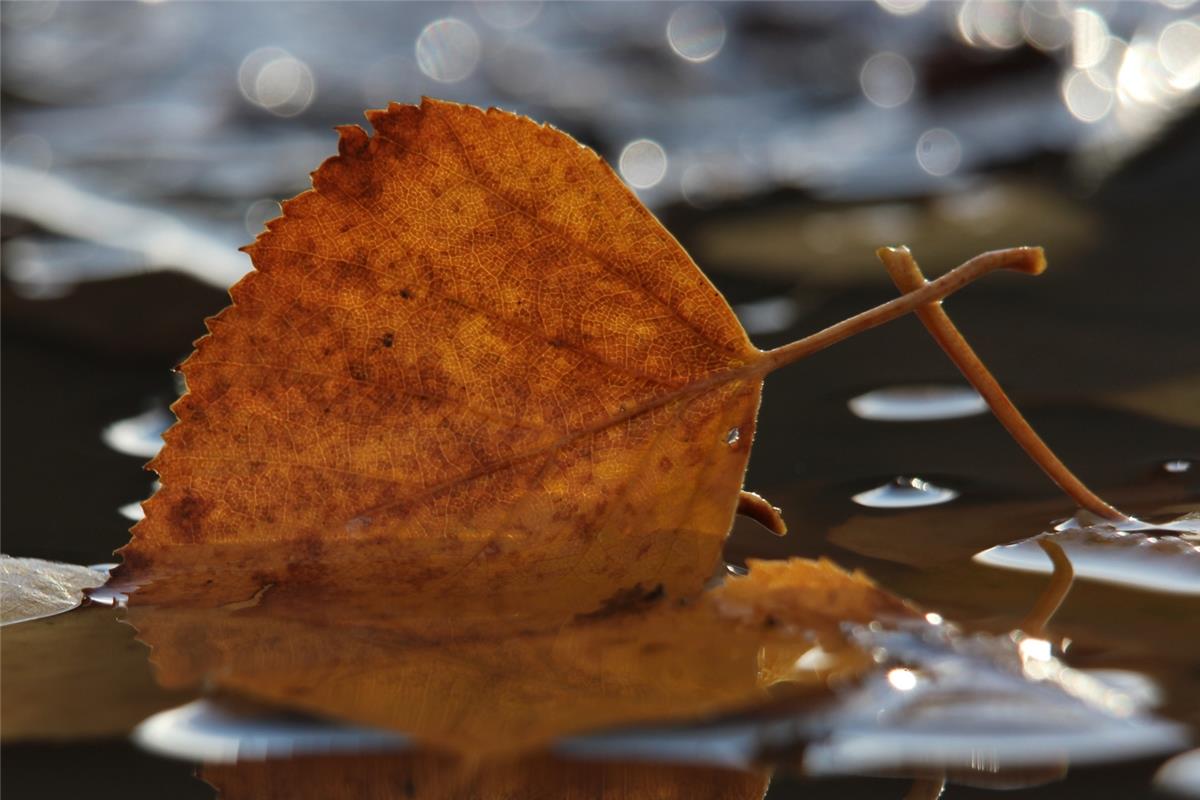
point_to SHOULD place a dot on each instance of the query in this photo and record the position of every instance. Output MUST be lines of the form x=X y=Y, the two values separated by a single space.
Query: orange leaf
x=468 y=356
x=469 y=333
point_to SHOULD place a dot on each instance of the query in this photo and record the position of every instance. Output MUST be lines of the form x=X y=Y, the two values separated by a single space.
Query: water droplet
x=733 y=437
x=141 y=435
x=905 y=493
x=696 y=32
x=643 y=163
x=1177 y=466
x=358 y=524
x=918 y=403
x=448 y=50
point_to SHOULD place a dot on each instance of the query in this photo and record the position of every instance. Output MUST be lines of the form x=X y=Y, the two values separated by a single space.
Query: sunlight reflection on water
x=918 y=403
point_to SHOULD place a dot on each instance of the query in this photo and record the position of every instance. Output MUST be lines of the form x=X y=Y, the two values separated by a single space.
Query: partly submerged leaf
x=31 y=588
x=469 y=333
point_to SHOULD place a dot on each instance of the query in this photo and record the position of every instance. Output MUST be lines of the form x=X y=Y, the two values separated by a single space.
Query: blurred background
x=143 y=143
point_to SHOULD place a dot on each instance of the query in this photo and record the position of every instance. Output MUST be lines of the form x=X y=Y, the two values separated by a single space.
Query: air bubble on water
x=905 y=493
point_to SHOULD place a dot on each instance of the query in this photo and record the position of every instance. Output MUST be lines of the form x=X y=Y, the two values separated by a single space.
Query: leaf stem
x=907 y=276
x=1022 y=259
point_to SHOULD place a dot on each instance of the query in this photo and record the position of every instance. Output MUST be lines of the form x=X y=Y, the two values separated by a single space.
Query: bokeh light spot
x=696 y=32
x=448 y=50
x=1088 y=99
x=1179 y=51
x=1089 y=39
x=508 y=15
x=902 y=8
x=938 y=151
x=887 y=80
x=273 y=79
x=1044 y=25
x=643 y=163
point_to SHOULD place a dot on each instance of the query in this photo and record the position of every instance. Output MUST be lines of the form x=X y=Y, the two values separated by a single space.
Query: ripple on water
x=918 y=403
x=1161 y=557
x=905 y=493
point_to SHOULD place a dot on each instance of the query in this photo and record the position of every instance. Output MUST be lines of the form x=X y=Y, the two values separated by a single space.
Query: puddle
x=905 y=493
x=918 y=403
x=1161 y=557
x=139 y=436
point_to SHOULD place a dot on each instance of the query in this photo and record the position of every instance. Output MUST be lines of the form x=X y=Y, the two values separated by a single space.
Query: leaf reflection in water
x=794 y=654
x=427 y=775
x=510 y=668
